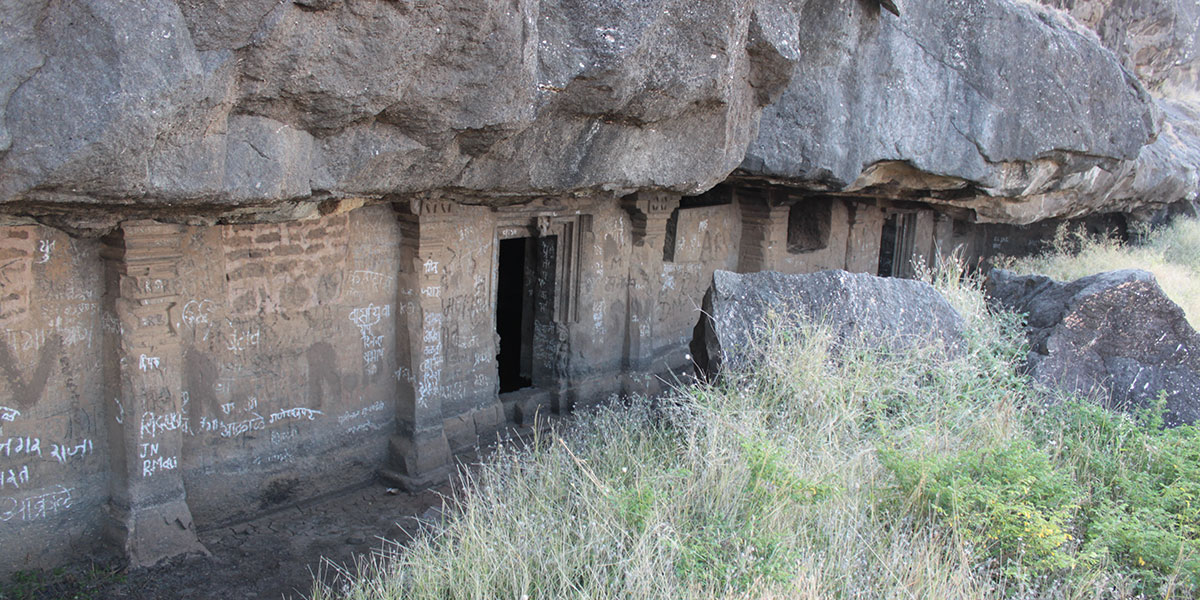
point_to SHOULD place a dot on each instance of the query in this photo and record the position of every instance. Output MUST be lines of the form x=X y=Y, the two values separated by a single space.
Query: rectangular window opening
x=809 y=224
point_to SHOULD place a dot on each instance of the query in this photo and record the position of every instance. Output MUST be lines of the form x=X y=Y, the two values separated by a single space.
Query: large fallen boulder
x=1114 y=336
x=894 y=313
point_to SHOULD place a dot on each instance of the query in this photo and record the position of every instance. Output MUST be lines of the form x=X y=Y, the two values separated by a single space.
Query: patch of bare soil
x=275 y=556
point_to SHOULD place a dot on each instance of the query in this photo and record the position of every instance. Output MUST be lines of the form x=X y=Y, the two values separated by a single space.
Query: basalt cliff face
x=208 y=110
x=254 y=252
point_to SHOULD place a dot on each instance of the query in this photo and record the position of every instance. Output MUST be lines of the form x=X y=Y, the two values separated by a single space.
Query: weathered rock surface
x=265 y=109
x=1114 y=334
x=959 y=89
x=219 y=104
x=998 y=101
x=896 y=313
x=1163 y=173
x=1156 y=39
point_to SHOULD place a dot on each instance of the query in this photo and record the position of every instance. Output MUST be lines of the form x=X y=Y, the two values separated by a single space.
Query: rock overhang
x=267 y=110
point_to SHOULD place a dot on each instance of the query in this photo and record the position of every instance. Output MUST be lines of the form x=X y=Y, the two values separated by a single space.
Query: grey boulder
x=897 y=314
x=1114 y=336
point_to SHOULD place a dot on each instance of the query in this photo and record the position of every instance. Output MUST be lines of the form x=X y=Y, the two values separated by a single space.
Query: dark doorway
x=512 y=315
x=897 y=246
x=887 y=247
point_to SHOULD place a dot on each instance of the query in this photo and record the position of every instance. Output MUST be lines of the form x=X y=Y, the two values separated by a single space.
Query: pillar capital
x=649 y=213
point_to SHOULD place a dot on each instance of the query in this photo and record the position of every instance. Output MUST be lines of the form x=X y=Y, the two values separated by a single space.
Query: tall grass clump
x=1171 y=253
x=830 y=470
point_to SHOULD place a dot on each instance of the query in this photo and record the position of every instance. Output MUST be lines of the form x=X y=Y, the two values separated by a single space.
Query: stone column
x=943 y=240
x=924 y=250
x=862 y=245
x=764 y=228
x=149 y=516
x=419 y=453
x=648 y=213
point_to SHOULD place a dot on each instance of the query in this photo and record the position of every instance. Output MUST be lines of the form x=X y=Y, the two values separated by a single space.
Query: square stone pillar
x=149 y=517
x=764 y=228
x=419 y=453
x=862 y=245
x=648 y=213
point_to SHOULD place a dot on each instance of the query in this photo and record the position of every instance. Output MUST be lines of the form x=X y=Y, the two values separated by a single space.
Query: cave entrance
x=897 y=245
x=524 y=309
x=512 y=311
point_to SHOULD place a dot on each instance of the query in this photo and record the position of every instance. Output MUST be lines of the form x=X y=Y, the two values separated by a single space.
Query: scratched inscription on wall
x=284 y=267
x=704 y=243
x=374 y=254
x=17 y=247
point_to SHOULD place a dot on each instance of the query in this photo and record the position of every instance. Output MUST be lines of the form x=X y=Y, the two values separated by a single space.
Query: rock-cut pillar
x=149 y=515
x=648 y=213
x=764 y=215
x=419 y=453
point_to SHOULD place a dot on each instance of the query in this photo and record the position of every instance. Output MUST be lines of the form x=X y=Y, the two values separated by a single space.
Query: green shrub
x=1010 y=500
x=1144 y=486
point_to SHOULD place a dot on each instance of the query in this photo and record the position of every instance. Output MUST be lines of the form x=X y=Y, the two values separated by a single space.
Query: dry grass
x=769 y=484
x=1172 y=254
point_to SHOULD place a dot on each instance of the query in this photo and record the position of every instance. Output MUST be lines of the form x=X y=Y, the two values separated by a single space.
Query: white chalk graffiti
x=598 y=315
x=37 y=507
x=241 y=340
x=8 y=414
x=366 y=319
x=279 y=437
x=151 y=286
x=154 y=424
x=430 y=374
x=14 y=478
x=364 y=427
x=298 y=412
x=232 y=430
x=28 y=446
x=45 y=247
x=145 y=363
x=62 y=452
x=153 y=463
x=370 y=280
x=369 y=315
x=278 y=457
x=404 y=374
x=351 y=415
x=110 y=324
x=198 y=313
x=22 y=340
x=431 y=266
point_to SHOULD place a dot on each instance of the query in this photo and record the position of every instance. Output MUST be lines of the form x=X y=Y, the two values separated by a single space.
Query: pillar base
x=149 y=535
x=418 y=462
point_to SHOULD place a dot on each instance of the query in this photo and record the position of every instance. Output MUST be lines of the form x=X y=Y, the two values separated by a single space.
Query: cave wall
x=53 y=445
x=170 y=377
x=286 y=339
x=167 y=378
